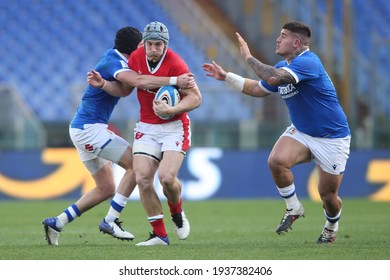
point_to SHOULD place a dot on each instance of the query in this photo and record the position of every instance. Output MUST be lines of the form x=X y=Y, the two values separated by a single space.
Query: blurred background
x=47 y=47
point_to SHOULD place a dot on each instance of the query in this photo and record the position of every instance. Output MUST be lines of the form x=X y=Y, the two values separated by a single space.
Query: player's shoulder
x=110 y=53
x=112 y=56
x=171 y=53
x=111 y=63
x=307 y=56
x=307 y=59
x=175 y=60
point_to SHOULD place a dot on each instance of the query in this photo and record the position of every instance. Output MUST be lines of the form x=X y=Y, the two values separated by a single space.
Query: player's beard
x=154 y=57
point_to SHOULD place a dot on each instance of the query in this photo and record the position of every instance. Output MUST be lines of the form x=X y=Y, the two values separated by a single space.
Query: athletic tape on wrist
x=173 y=81
x=235 y=81
x=104 y=83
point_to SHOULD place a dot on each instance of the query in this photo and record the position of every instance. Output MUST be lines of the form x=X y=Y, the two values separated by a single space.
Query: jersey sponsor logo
x=139 y=135
x=287 y=91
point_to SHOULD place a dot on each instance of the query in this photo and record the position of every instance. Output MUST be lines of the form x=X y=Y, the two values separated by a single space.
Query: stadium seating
x=50 y=47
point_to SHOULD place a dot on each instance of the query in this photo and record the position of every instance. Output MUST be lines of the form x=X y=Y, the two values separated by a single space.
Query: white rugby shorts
x=152 y=140
x=97 y=145
x=331 y=154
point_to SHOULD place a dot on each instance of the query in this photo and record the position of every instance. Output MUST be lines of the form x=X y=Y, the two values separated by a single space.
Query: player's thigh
x=330 y=154
x=126 y=160
x=96 y=140
x=328 y=184
x=288 y=152
x=170 y=163
x=104 y=177
x=114 y=150
x=146 y=141
x=144 y=167
x=177 y=139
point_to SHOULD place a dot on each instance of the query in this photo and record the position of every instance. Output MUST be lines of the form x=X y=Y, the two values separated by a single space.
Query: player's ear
x=297 y=43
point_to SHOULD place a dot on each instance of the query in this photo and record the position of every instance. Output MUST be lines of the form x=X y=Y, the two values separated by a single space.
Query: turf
x=220 y=230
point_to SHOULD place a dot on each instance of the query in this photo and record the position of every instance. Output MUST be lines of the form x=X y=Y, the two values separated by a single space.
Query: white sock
x=289 y=196
x=118 y=203
x=332 y=222
x=332 y=226
x=62 y=220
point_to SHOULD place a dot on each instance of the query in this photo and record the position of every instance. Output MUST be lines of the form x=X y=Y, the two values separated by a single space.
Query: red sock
x=159 y=228
x=175 y=208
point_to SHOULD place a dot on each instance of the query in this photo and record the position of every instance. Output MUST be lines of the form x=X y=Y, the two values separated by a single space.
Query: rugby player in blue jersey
x=319 y=128
x=98 y=147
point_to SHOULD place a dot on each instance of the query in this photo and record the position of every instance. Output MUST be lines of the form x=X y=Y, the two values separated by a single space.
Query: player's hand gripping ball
x=170 y=95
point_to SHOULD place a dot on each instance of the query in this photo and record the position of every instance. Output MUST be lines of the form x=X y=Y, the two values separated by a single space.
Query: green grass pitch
x=220 y=230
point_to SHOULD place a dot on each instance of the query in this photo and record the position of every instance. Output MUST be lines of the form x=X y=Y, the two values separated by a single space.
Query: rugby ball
x=170 y=95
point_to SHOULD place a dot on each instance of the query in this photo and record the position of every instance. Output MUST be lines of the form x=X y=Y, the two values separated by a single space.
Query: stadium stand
x=50 y=47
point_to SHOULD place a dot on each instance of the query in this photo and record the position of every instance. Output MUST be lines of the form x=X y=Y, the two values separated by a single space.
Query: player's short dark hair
x=298 y=27
x=127 y=39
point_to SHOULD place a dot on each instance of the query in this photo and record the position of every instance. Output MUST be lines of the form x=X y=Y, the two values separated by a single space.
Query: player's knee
x=329 y=198
x=167 y=179
x=142 y=182
x=145 y=183
x=275 y=162
x=110 y=192
x=107 y=191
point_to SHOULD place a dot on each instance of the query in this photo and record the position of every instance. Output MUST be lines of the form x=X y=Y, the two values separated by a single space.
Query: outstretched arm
x=273 y=76
x=149 y=81
x=114 y=88
x=244 y=85
x=130 y=79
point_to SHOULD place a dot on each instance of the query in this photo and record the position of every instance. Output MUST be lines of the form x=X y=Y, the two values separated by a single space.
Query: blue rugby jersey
x=97 y=105
x=312 y=100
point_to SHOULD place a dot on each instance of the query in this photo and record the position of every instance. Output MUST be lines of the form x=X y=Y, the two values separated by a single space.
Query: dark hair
x=298 y=27
x=127 y=39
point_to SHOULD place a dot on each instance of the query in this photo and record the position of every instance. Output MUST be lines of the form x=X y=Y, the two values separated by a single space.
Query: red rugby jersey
x=170 y=65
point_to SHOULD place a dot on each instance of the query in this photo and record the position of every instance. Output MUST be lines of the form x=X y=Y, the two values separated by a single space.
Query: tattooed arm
x=273 y=76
